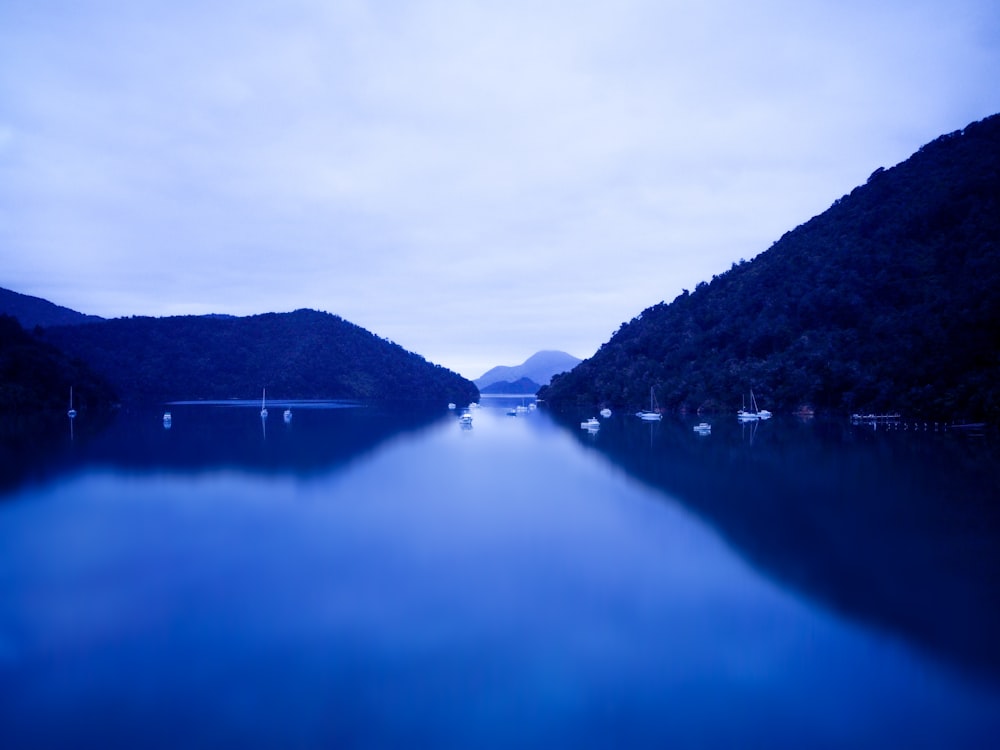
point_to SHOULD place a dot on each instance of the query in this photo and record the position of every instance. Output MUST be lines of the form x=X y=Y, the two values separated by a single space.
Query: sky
x=474 y=181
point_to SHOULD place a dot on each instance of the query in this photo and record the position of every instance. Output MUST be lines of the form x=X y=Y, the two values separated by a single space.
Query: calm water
x=386 y=578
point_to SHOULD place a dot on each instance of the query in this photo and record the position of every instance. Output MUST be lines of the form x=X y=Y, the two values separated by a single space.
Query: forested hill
x=887 y=301
x=35 y=311
x=304 y=354
x=35 y=377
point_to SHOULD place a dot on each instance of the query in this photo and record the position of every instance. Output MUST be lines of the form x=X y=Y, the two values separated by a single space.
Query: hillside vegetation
x=35 y=377
x=304 y=354
x=886 y=301
x=35 y=311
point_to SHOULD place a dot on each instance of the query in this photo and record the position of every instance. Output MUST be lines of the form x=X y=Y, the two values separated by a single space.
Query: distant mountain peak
x=539 y=368
x=519 y=387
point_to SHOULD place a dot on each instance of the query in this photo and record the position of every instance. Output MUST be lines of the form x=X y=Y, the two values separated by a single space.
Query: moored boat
x=653 y=415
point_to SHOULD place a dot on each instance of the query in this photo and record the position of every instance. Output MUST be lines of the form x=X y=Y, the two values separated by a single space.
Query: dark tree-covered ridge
x=35 y=377
x=886 y=301
x=303 y=354
x=35 y=311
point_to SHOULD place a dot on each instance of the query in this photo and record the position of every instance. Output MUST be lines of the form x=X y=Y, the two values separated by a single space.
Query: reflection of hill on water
x=207 y=437
x=901 y=530
x=32 y=446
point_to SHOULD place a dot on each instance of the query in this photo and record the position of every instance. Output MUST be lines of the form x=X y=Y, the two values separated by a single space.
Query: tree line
x=304 y=354
x=885 y=302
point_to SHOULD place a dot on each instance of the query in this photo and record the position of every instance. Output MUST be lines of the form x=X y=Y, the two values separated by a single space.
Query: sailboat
x=653 y=415
x=263 y=404
x=754 y=414
x=72 y=412
x=761 y=413
x=746 y=416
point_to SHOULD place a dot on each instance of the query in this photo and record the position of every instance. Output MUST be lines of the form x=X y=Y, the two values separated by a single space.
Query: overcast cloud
x=475 y=181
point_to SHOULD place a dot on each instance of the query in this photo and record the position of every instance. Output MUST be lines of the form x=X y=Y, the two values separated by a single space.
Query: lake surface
x=366 y=577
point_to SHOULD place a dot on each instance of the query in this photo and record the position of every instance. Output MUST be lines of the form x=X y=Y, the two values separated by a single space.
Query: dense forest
x=36 y=377
x=35 y=311
x=304 y=354
x=885 y=302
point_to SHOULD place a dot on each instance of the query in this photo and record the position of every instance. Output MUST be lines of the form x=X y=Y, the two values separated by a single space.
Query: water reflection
x=199 y=436
x=900 y=530
x=496 y=587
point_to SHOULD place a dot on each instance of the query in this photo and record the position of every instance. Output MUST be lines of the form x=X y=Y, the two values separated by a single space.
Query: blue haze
x=363 y=578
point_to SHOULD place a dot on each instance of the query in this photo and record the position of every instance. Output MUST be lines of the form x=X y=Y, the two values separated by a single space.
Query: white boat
x=761 y=413
x=703 y=428
x=605 y=412
x=653 y=415
x=263 y=404
x=168 y=419
x=451 y=406
x=590 y=424
x=754 y=414
x=465 y=420
x=72 y=412
x=287 y=416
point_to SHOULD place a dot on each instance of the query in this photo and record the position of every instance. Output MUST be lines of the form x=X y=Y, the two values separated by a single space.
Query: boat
x=703 y=428
x=762 y=413
x=653 y=415
x=465 y=420
x=168 y=419
x=605 y=412
x=451 y=406
x=590 y=424
x=875 y=418
x=72 y=412
x=263 y=404
x=754 y=414
x=287 y=416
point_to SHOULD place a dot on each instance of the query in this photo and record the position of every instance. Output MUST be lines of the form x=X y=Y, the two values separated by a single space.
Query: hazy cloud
x=472 y=180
